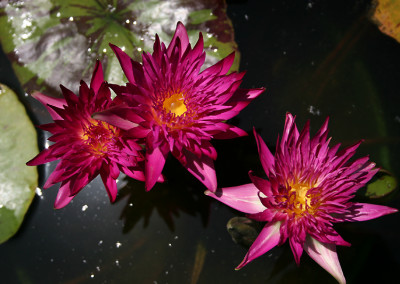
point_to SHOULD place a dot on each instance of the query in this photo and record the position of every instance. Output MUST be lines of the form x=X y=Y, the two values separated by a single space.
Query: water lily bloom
x=86 y=147
x=309 y=188
x=175 y=107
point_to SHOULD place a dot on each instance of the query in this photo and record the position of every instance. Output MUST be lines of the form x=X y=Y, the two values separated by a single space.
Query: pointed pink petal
x=229 y=132
x=365 y=211
x=97 y=77
x=202 y=168
x=125 y=61
x=180 y=33
x=243 y=198
x=219 y=68
x=266 y=158
x=110 y=184
x=46 y=101
x=63 y=195
x=241 y=98
x=266 y=240
x=154 y=165
x=325 y=255
x=297 y=249
x=42 y=158
x=111 y=116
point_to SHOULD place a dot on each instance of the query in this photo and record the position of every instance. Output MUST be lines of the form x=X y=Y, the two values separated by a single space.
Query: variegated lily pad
x=53 y=42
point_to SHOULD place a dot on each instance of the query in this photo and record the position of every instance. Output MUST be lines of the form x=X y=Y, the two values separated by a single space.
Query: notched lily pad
x=383 y=185
x=243 y=230
x=53 y=42
x=18 y=144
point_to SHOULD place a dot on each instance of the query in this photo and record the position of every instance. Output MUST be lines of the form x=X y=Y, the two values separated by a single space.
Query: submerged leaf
x=18 y=143
x=381 y=186
x=57 y=42
x=243 y=230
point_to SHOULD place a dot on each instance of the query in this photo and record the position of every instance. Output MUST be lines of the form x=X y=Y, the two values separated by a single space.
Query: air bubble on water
x=139 y=49
x=104 y=50
x=123 y=48
x=98 y=268
x=246 y=17
x=170 y=245
x=134 y=22
x=100 y=242
x=84 y=260
x=58 y=14
x=118 y=244
x=130 y=204
x=71 y=19
x=117 y=262
x=313 y=110
x=92 y=275
x=39 y=192
x=176 y=237
x=127 y=21
x=85 y=207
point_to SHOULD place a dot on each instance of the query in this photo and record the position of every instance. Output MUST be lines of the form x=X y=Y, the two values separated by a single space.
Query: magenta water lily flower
x=175 y=107
x=86 y=147
x=309 y=188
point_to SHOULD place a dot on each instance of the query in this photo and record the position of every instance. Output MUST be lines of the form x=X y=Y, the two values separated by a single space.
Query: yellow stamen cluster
x=98 y=135
x=175 y=104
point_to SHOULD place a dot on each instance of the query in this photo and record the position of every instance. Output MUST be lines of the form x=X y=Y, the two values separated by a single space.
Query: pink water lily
x=84 y=146
x=309 y=188
x=175 y=107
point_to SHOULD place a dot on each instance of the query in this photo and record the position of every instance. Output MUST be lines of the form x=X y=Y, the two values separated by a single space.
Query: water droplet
x=39 y=192
x=71 y=19
x=100 y=242
x=209 y=35
x=176 y=237
x=139 y=49
x=166 y=272
x=117 y=262
x=134 y=22
x=92 y=275
x=118 y=244
x=84 y=260
x=215 y=50
x=98 y=268
x=51 y=260
x=89 y=49
x=104 y=50
x=123 y=48
x=130 y=204
x=58 y=14
x=313 y=110
x=127 y=21
x=246 y=17
x=170 y=245
x=85 y=207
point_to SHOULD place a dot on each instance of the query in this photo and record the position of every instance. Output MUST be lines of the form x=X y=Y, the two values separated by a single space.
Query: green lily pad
x=18 y=144
x=53 y=42
x=381 y=187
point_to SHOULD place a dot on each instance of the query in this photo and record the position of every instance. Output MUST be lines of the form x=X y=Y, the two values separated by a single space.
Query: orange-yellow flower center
x=98 y=135
x=175 y=104
x=298 y=200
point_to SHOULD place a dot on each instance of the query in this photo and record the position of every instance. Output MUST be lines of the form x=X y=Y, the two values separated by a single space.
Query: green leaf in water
x=381 y=187
x=53 y=42
x=18 y=144
x=243 y=230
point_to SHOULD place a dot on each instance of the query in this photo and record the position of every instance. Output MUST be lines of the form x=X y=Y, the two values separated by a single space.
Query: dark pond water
x=316 y=59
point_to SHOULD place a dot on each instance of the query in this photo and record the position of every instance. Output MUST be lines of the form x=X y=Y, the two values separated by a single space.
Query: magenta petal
x=42 y=158
x=297 y=249
x=125 y=61
x=202 y=168
x=365 y=211
x=243 y=198
x=110 y=184
x=46 y=101
x=267 y=159
x=97 y=77
x=325 y=255
x=180 y=33
x=110 y=116
x=155 y=161
x=63 y=195
x=266 y=240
